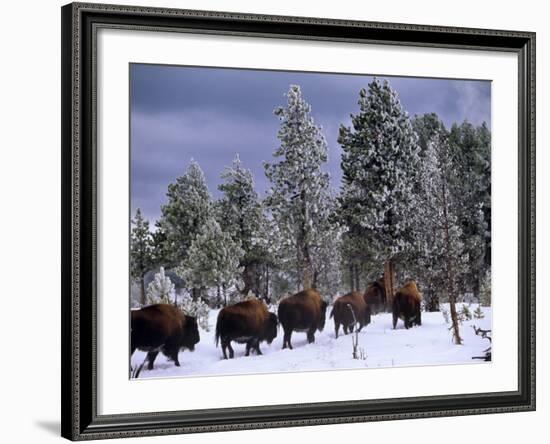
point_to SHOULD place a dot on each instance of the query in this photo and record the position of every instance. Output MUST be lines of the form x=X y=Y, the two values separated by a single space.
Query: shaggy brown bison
x=406 y=305
x=162 y=327
x=341 y=310
x=375 y=296
x=245 y=322
x=304 y=312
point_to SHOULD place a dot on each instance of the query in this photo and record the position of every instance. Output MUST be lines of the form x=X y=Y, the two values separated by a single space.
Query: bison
x=245 y=322
x=305 y=312
x=342 y=312
x=406 y=305
x=162 y=327
x=375 y=296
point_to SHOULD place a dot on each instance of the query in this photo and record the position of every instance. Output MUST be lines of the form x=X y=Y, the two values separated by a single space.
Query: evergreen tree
x=470 y=150
x=141 y=252
x=160 y=289
x=427 y=257
x=379 y=163
x=299 y=190
x=241 y=215
x=199 y=309
x=188 y=207
x=213 y=260
x=160 y=254
x=440 y=250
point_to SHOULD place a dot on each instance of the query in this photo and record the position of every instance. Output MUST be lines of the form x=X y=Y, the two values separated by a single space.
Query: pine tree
x=199 y=309
x=188 y=207
x=299 y=190
x=439 y=237
x=160 y=289
x=241 y=215
x=159 y=245
x=141 y=252
x=426 y=258
x=213 y=260
x=470 y=152
x=379 y=163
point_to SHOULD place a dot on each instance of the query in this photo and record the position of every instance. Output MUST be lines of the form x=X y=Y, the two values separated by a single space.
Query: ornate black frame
x=80 y=22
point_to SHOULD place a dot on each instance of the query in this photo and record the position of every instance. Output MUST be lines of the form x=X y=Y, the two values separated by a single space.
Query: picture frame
x=80 y=212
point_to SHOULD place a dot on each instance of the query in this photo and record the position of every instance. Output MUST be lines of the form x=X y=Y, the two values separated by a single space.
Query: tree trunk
x=224 y=295
x=267 y=298
x=450 y=272
x=142 y=299
x=351 y=278
x=304 y=254
x=389 y=280
x=247 y=279
x=306 y=266
x=195 y=293
x=357 y=277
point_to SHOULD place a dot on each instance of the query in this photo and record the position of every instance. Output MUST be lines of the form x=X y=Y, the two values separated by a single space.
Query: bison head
x=322 y=315
x=191 y=333
x=271 y=328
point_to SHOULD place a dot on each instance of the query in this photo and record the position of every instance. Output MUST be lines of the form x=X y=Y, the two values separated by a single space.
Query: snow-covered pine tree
x=213 y=260
x=379 y=163
x=327 y=258
x=198 y=308
x=141 y=259
x=470 y=148
x=241 y=215
x=159 y=242
x=299 y=191
x=426 y=259
x=439 y=246
x=160 y=289
x=188 y=207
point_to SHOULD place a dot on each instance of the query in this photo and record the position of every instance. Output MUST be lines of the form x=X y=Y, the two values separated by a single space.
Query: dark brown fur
x=304 y=311
x=245 y=322
x=375 y=296
x=162 y=327
x=406 y=305
x=341 y=310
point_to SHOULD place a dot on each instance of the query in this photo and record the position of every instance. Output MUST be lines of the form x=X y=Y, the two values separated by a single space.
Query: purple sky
x=210 y=114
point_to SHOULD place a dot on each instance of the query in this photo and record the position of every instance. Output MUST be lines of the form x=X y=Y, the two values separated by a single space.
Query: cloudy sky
x=210 y=114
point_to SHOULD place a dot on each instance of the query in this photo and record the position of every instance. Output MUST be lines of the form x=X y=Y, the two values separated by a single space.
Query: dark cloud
x=210 y=114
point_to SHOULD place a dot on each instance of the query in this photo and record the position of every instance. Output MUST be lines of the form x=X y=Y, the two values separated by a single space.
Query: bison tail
x=331 y=313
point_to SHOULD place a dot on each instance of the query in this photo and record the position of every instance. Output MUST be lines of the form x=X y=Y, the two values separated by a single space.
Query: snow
x=429 y=344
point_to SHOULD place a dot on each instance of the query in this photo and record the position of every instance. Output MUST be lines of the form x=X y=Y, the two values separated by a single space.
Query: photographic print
x=288 y=221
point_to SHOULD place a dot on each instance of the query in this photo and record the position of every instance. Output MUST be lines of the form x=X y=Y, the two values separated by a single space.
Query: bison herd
x=164 y=328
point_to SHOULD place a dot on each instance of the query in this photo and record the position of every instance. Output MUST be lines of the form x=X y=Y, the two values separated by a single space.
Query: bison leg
x=418 y=318
x=351 y=328
x=151 y=356
x=257 y=347
x=231 y=352
x=224 y=346
x=311 y=336
x=395 y=317
x=345 y=327
x=248 y=345
x=286 y=339
x=174 y=356
x=336 y=328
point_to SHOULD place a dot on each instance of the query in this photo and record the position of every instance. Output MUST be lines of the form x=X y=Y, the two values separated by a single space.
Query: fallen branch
x=485 y=335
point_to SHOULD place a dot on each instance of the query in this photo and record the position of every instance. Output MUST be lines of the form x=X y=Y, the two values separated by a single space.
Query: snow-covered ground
x=429 y=344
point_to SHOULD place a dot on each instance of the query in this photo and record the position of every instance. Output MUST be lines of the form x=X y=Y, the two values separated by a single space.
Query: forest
x=414 y=203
